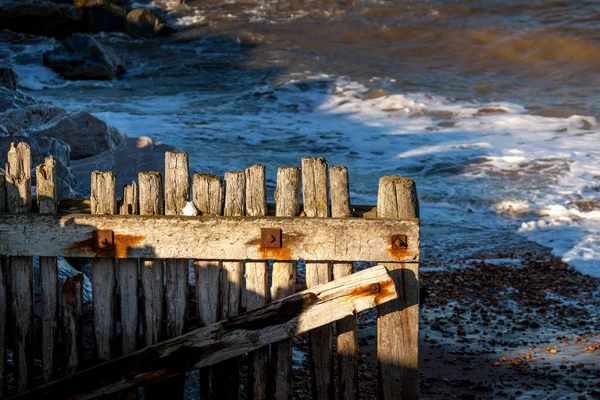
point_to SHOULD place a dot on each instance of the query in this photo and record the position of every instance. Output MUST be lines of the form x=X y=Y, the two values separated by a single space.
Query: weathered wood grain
x=4 y=299
x=2 y=192
x=287 y=200
x=257 y=286
x=398 y=321
x=346 y=341
x=128 y=279
x=177 y=194
x=48 y=204
x=18 y=189
x=151 y=202
x=72 y=323
x=207 y=192
x=224 y=340
x=209 y=238
x=103 y=274
x=315 y=195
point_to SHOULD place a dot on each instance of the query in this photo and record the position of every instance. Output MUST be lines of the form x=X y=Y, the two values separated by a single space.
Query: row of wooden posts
x=156 y=262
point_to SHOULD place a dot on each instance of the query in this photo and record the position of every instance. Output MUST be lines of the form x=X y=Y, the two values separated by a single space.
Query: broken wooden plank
x=398 y=321
x=224 y=340
x=213 y=238
x=72 y=323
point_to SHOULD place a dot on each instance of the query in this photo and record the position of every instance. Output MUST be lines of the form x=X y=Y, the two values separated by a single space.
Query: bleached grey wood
x=72 y=323
x=177 y=194
x=315 y=195
x=287 y=204
x=177 y=182
x=18 y=188
x=257 y=277
x=208 y=193
x=213 y=238
x=398 y=321
x=346 y=340
x=224 y=340
x=104 y=280
x=48 y=204
x=151 y=203
x=235 y=188
x=128 y=279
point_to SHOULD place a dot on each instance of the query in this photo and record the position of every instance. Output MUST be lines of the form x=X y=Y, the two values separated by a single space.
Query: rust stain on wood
x=122 y=245
x=399 y=254
x=387 y=291
x=282 y=254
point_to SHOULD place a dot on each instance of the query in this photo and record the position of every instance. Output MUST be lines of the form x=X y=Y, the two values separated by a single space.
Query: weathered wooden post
x=287 y=204
x=72 y=323
x=18 y=200
x=398 y=321
x=347 y=344
x=257 y=281
x=3 y=297
x=316 y=204
x=48 y=204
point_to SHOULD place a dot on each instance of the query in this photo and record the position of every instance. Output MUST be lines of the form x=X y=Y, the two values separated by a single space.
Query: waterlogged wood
x=213 y=238
x=47 y=202
x=72 y=323
x=315 y=196
x=346 y=341
x=226 y=375
x=104 y=280
x=128 y=279
x=18 y=188
x=398 y=321
x=177 y=194
x=2 y=192
x=151 y=203
x=4 y=321
x=224 y=340
x=208 y=194
x=257 y=286
x=287 y=200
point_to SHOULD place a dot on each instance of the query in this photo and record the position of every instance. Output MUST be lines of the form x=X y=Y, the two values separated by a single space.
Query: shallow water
x=490 y=108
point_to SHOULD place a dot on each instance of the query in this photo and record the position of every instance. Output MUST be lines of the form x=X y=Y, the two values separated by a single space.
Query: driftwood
x=72 y=323
x=398 y=321
x=213 y=238
x=206 y=346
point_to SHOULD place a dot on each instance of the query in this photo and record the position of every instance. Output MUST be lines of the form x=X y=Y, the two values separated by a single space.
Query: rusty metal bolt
x=399 y=242
x=272 y=239
x=374 y=288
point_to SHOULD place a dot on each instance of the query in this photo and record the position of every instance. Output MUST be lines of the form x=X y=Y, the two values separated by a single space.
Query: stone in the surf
x=14 y=99
x=9 y=78
x=19 y=121
x=101 y=15
x=40 y=17
x=85 y=134
x=145 y=24
x=81 y=56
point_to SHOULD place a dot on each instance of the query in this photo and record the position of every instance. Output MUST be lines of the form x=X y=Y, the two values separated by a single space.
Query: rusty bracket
x=270 y=238
x=399 y=242
x=374 y=288
x=104 y=240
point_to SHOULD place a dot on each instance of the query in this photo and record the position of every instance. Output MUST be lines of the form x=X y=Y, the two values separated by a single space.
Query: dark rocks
x=14 y=99
x=40 y=17
x=83 y=57
x=19 y=121
x=9 y=78
x=85 y=134
x=144 y=23
x=101 y=16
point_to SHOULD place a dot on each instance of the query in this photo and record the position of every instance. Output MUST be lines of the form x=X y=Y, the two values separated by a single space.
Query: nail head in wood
x=399 y=242
x=104 y=240
x=270 y=238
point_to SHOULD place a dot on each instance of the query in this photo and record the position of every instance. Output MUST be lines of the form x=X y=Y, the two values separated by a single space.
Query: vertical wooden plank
x=287 y=204
x=128 y=279
x=208 y=198
x=151 y=203
x=18 y=192
x=3 y=298
x=47 y=202
x=257 y=278
x=72 y=323
x=346 y=342
x=104 y=280
x=398 y=321
x=226 y=374
x=177 y=194
x=152 y=272
x=315 y=196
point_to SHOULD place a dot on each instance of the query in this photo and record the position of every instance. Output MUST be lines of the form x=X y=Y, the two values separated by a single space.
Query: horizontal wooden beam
x=296 y=314
x=210 y=238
